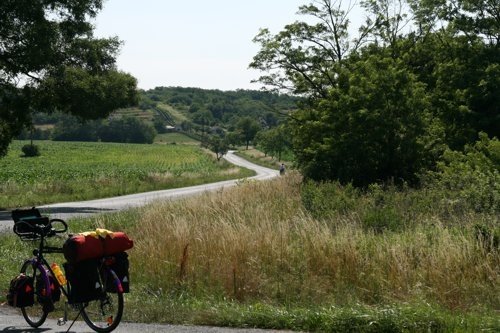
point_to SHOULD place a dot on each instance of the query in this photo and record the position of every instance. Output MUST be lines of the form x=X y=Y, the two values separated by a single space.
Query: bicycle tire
x=34 y=315
x=104 y=314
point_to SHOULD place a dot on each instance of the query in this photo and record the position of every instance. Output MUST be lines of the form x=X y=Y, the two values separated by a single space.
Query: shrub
x=487 y=237
x=471 y=177
x=382 y=219
x=327 y=198
x=30 y=150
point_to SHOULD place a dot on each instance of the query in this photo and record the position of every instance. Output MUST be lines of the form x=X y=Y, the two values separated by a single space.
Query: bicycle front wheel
x=105 y=313
x=34 y=315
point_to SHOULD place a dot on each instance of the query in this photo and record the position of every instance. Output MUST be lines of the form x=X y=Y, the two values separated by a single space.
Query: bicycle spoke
x=104 y=315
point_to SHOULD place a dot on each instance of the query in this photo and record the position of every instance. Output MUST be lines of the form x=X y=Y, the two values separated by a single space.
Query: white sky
x=195 y=43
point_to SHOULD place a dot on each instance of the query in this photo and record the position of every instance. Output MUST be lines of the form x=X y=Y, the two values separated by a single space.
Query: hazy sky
x=195 y=43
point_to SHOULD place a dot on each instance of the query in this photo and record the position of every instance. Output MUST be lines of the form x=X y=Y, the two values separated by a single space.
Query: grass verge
x=258 y=157
x=252 y=256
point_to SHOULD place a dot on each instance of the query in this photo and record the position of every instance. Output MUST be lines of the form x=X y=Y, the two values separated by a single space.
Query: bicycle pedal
x=61 y=321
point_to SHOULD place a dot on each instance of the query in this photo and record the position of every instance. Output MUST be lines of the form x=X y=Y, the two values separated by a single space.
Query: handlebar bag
x=21 y=293
x=20 y=214
x=81 y=247
x=31 y=216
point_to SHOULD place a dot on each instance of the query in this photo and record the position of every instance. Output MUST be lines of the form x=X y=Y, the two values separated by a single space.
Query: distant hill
x=191 y=110
x=216 y=107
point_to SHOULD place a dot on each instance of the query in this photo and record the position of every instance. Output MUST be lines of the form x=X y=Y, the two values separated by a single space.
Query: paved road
x=11 y=320
x=85 y=208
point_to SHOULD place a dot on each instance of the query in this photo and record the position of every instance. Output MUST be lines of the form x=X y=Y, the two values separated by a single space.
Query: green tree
x=146 y=103
x=385 y=23
x=248 y=127
x=372 y=127
x=264 y=140
x=127 y=130
x=49 y=60
x=70 y=128
x=273 y=141
x=204 y=119
x=381 y=106
x=219 y=146
x=304 y=58
x=233 y=138
x=459 y=60
x=365 y=120
x=469 y=18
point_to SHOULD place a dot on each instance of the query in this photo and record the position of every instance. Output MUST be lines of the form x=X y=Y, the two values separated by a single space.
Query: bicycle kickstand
x=62 y=321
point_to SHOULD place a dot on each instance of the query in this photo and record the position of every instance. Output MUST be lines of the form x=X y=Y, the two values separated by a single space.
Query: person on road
x=282 y=169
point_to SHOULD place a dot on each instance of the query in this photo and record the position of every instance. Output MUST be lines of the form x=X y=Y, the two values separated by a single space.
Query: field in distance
x=71 y=171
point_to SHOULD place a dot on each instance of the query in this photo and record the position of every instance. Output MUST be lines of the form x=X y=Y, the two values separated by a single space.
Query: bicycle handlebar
x=40 y=229
x=64 y=224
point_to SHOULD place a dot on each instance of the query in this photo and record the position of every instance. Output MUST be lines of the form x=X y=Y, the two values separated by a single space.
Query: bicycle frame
x=44 y=267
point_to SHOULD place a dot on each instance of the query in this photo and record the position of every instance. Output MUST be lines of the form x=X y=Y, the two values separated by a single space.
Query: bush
x=327 y=198
x=472 y=177
x=382 y=219
x=30 y=150
x=487 y=237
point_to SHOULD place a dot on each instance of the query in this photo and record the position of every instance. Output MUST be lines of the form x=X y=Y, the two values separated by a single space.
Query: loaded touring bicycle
x=95 y=279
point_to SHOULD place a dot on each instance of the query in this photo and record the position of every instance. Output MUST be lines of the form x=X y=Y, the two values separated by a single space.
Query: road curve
x=12 y=321
x=68 y=210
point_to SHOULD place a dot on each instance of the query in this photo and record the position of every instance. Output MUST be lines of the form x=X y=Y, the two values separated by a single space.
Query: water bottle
x=59 y=275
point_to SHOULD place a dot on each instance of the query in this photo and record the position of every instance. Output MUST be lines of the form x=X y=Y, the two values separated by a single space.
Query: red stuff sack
x=81 y=247
x=119 y=243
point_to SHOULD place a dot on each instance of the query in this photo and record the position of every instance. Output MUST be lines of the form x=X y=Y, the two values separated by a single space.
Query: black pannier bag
x=55 y=291
x=21 y=293
x=120 y=267
x=83 y=279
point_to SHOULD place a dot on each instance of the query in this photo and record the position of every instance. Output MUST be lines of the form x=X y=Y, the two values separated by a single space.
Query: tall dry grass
x=255 y=242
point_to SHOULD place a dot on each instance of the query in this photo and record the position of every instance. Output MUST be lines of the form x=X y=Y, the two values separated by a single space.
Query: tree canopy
x=248 y=127
x=225 y=108
x=50 y=60
x=384 y=104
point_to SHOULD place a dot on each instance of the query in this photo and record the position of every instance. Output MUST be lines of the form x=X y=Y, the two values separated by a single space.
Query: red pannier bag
x=81 y=247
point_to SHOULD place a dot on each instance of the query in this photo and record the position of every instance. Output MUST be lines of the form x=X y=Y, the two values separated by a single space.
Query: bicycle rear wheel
x=105 y=313
x=34 y=315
